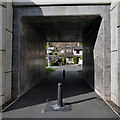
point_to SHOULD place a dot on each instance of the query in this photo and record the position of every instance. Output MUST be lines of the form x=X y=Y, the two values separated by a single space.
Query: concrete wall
x=102 y=44
x=96 y=55
x=102 y=58
x=6 y=13
x=31 y=58
x=115 y=53
x=89 y=40
x=29 y=64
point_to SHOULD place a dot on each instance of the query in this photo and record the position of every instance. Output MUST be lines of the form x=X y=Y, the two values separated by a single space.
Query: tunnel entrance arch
x=30 y=37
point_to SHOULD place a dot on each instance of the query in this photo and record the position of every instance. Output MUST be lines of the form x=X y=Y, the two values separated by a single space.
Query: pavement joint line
x=42 y=111
x=44 y=105
x=9 y=105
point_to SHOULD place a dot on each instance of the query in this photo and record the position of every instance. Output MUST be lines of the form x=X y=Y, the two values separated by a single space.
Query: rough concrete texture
x=2 y=27
x=1 y=71
x=88 y=56
x=6 y=50
x=119 y=53
x=31 y=58
x=115 y=50
x=101 y=10
x=84 y=101
x=118 y=13
x=96 y=54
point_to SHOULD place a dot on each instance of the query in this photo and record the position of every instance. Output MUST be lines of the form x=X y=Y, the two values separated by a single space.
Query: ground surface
x=84 y=101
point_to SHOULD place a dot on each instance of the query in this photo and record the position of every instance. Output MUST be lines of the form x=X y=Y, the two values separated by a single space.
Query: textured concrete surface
x=86 y=14
x=115 y=54
x=97 y=55
x=31 y=58
x=5 y=51
x=85 y=103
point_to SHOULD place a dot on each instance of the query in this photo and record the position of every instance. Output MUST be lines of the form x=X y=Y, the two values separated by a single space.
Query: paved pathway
x=85 y=103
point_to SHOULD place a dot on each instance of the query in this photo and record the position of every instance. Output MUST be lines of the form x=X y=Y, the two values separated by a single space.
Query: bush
x=55 y=63
x=81 y=57
x=46 y=63
x=52 y=63
x=75 y=60
x=63 y=61
x=49 y=70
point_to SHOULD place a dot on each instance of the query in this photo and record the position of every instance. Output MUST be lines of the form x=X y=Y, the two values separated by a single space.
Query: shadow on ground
x=47 y=90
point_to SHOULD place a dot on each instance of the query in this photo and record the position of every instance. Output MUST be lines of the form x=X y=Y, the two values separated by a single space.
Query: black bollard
x=63 y=73
x=59 y=106
x=59 y=100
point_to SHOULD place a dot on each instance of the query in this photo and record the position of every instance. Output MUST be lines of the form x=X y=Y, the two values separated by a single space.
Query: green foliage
x=51 y=63
x=46 y=63
x=81 y=57
x=55 y=63
x=81 y=43
x=63 y=61
x=49 y=70
x=75 y=60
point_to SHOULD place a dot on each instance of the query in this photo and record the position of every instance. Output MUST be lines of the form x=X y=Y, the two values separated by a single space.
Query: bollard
x=63 y=73
x=59 y=106
x=59 y=100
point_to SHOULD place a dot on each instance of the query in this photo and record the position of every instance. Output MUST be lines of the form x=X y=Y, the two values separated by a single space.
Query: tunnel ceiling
x=61 y=28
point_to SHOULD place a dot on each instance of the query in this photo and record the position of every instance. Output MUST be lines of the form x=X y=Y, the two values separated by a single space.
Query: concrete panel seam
x=114 y=51
x=2 y=50
x=9 y=30
x=2 y=95
x=113 y=8
x=118 y=26
x=8 y=72
x=2 y=5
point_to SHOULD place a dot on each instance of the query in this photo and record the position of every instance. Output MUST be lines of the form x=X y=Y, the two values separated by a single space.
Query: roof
x=70 y=54
x=77 y=47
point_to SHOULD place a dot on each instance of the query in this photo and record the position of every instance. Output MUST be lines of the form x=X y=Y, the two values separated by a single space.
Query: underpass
x=33 y=26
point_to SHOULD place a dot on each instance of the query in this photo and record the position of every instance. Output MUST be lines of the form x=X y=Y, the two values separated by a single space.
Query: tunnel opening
x=33 y=27
x=36 y=31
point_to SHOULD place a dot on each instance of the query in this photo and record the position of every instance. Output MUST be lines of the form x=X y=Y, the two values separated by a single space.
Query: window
x=77 y=52
x=70 y=59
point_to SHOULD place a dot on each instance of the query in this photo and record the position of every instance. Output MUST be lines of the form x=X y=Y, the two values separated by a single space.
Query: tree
x=63 y=61
x=75 y=60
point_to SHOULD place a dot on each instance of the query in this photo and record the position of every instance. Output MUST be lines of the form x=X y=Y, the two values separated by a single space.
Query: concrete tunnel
x=29 y=46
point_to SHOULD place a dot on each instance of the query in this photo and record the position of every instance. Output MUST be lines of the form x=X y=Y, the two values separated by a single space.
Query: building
x=76 y=52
